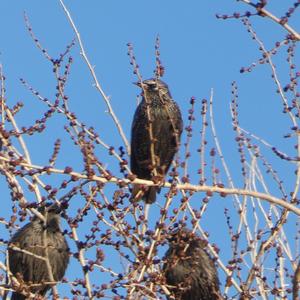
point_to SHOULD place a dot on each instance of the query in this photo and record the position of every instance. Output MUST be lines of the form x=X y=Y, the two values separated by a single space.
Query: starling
x=155 y=135
x=35 y=238
x=189 y=270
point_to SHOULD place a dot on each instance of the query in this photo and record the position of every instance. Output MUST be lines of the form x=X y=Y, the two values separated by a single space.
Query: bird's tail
x=148 y=194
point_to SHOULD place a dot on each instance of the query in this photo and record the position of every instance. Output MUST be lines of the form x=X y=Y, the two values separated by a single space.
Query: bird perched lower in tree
x=189 y=270
x=39 y=238
x=155 y=136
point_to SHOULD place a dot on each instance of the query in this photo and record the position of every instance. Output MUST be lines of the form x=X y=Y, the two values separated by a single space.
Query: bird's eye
x=152 y=85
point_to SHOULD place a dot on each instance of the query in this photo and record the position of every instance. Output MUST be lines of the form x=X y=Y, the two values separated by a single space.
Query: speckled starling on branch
x=189 y=271
x=35 y=238
x=155 y=136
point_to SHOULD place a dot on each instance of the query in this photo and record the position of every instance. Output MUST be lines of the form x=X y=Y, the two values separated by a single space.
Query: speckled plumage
x=30 y=238
x=191 y=273
x=166 y=131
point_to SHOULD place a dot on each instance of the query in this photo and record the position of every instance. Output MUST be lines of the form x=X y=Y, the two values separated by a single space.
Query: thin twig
x=265 y=13
x=96 y=82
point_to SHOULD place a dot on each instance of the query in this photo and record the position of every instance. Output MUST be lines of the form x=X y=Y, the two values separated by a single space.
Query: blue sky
x=198 y=51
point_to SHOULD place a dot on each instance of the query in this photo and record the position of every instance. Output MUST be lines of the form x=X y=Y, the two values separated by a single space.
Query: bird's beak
x=139 y=84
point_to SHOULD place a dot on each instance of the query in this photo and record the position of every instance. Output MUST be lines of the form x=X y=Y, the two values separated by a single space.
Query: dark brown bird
x=189 y=270
x=155 y=136
x=35 y=237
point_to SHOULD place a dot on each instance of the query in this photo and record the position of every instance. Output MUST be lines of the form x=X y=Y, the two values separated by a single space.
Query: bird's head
x=154 y=86
x=180 y=238
x=52 y=212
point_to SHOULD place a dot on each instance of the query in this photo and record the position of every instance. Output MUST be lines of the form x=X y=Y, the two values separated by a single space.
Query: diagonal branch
x=265 y=13
x=96 y=82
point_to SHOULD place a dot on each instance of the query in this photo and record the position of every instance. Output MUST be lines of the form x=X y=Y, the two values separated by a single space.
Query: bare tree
x=118 y=247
